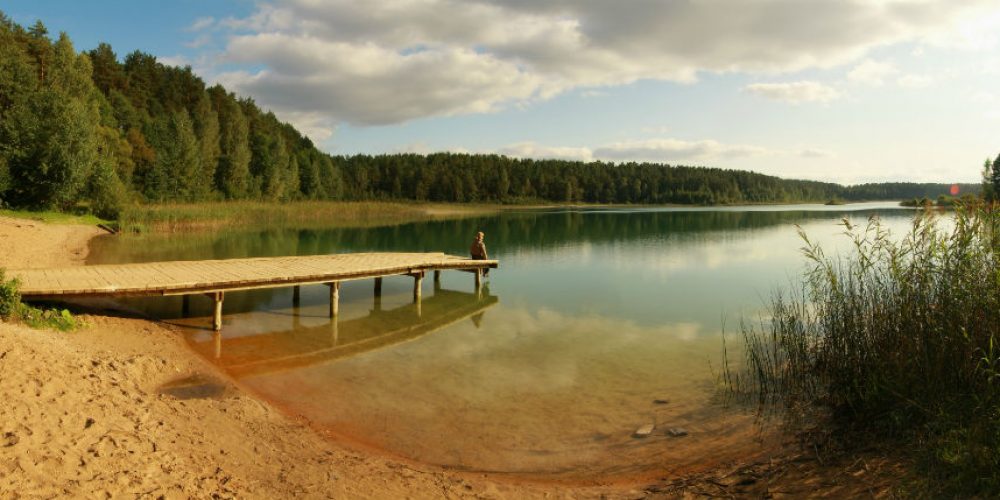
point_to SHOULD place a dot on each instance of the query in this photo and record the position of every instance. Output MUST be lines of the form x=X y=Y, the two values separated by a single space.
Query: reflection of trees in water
x=507 y=232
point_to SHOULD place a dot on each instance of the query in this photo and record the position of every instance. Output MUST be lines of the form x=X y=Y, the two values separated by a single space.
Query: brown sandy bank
x=82 y=415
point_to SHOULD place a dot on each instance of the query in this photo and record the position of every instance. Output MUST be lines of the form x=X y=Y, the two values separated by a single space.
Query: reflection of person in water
x=478 y=250
x=477 y=319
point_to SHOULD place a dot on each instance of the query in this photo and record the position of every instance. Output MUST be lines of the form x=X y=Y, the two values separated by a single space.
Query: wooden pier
x=216 y=277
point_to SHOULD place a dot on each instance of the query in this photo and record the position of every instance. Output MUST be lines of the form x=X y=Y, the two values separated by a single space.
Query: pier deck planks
x=206 y=276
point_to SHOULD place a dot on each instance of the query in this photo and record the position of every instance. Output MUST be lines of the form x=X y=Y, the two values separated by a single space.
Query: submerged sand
x=84 y=414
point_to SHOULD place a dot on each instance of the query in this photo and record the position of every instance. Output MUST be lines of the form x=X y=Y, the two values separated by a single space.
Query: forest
x=94 y=131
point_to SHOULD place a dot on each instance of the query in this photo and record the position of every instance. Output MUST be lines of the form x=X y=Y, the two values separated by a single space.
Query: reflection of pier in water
x=278 y=351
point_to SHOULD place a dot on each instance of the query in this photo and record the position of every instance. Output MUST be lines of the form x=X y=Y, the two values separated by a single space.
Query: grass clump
x=899 y=342
x=10 y=296
x=12 y=309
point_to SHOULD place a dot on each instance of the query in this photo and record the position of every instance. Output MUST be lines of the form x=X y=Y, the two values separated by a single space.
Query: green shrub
x=11 y=308
x=58 y=319
x=10 y=296
x=108 y=194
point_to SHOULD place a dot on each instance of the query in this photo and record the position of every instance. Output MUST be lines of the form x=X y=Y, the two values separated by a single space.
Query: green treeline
x=86 y=127
x=90 y=129
x=453 y=177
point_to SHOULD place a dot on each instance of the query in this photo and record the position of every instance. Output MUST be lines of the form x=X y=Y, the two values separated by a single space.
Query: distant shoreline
x=209 y=216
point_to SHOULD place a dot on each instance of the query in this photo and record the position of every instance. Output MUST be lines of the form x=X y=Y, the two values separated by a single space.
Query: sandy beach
x=85 y=416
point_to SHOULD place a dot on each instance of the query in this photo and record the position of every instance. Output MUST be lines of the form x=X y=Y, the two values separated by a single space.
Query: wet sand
x=85 y=415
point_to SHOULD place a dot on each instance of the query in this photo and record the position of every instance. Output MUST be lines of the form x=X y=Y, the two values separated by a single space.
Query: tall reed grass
x=898 y=341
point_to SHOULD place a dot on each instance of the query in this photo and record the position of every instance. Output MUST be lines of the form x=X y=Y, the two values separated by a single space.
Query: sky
x=842 y=91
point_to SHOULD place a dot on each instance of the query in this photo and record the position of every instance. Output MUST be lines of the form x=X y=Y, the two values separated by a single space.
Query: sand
x=83 y=415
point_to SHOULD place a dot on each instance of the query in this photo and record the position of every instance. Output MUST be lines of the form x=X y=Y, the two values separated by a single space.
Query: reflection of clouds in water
x=669 y=254
x=522 y=350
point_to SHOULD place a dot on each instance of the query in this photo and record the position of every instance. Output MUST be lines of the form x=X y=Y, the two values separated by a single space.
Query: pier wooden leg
x=217 y=339
x=418 y=281
x=378 y=287
x=185 y=306
x=437 y=280
x=334 y=298
x=479 y=279
x=217 y=316
x=334 y=332
x=296 y=295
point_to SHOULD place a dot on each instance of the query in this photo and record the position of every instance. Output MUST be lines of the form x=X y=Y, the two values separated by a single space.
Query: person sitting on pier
x=478 y=250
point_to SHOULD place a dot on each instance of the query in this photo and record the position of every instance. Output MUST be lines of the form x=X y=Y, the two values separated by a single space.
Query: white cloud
x=372 y=85
x=670 y=150
x=983 y=97
x=974 y=32
x=176 y=60
x=532 y=150
x=313 y=124
x=871 y=72
x=815 y=153
x=914 y=81
x=373 y=63
x=794 y=92
x=201 y=23
x=664 y=150
x=199 y=42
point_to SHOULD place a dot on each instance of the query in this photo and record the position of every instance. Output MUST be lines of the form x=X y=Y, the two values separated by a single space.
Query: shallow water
x=593 y=316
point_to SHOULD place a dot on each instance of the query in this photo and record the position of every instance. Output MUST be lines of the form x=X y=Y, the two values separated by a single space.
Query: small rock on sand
x=644 y=431
x=676 y=432
x=10 y=439
x=661 y=401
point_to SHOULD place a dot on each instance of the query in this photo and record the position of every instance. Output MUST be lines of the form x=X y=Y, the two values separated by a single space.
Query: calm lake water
x=594 y=319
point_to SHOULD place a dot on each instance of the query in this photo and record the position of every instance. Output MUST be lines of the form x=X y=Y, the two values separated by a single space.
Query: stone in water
x=644 y=431
x=676 y=432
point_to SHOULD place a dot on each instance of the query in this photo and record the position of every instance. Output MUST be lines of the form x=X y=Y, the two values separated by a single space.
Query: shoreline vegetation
x=192 y=217
x=894 y=347
x=209 y=216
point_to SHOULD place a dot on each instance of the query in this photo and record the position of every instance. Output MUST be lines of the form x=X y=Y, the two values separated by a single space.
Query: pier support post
x=479 y=279
x=296 y=296
x=334 y=332
x=334 y=298
x=217 y=315
x=418 y=281
x=437 y=280
x=185 y=306
x=378 y=287
x=217 y=340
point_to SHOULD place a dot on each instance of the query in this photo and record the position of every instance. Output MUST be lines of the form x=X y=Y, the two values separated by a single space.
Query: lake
x=598 y=322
